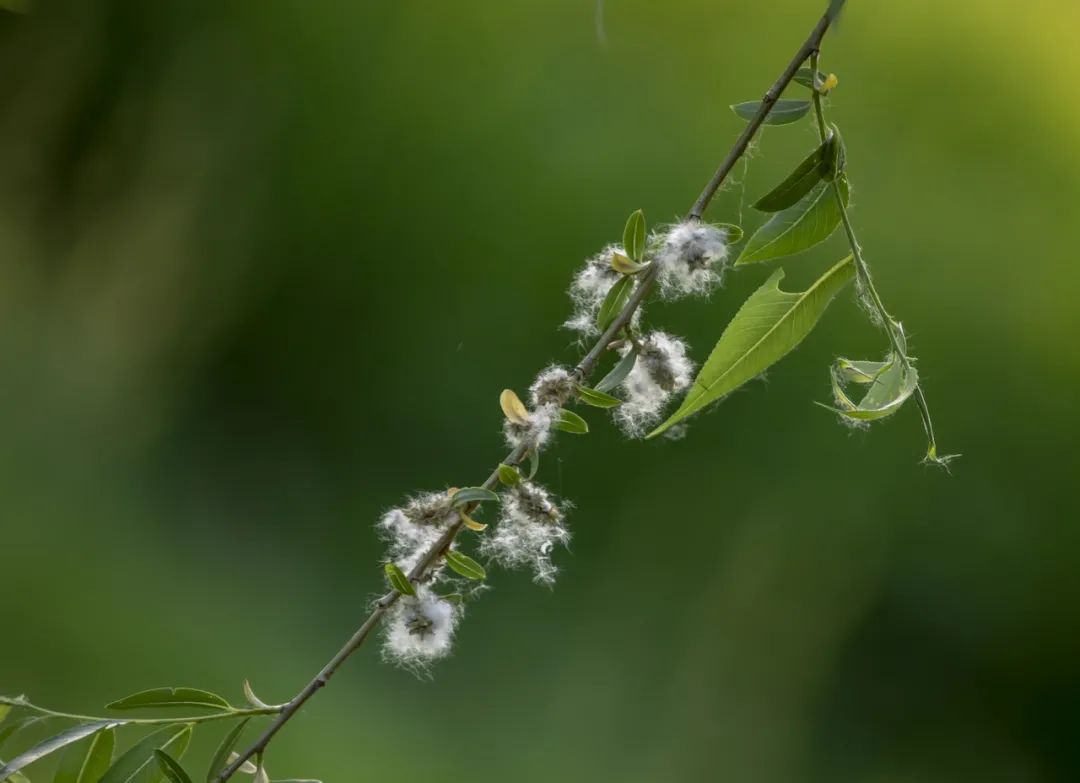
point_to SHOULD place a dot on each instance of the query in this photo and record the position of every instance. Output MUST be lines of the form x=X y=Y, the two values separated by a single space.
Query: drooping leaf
x=171 y=768
x=465 y=566
x=252 y=699
x=784 y=112
x=597 y=399
x=221 y=755
x=619 y=372
x=799 y=227
x=890 y=384
x=769 y=325
x=55 y=743
x=534 y=462
x=398 y=580
x=614 y=302
x=624 y=266
x=170 y=697
x=568 y=421
x=468 y=495
x=87 y=765
x=513 y=408
x=137 y=765
x=509 y=475
x=797 y=184
x=634 y=236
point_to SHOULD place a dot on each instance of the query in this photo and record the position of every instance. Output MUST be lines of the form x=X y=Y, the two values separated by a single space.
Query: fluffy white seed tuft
x=536 y=432
x=411 y=530
x=591 y=284
x=420 y=629
x=553 y=386
x=662 y=368
x=692 y=257
x=529 y=527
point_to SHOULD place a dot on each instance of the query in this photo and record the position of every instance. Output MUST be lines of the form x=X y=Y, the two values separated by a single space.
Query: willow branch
x=582 y=371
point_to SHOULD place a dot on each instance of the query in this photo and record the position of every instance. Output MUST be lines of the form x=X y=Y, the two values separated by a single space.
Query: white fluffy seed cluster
x=588 y=289
x=691 y=257
x=662 y=369
x=420 y=629
x=530 y=526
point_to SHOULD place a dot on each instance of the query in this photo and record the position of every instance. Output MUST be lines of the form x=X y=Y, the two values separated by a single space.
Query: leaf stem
x=583 y=369
x=892 y=327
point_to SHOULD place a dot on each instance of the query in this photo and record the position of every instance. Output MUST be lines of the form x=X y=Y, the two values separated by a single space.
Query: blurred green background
x=264 y=268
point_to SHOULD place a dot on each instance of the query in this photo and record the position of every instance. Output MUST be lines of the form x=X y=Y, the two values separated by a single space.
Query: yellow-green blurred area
x=265 y=267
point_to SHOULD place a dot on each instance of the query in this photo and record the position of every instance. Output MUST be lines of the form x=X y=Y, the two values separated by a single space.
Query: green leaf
x=18 y=777
x=5 y=708
x=472 y=495
x=891 y=384
x=597 y=399
x=87 y=765
x=614 y=302
x=797 y=184
x=465 y=565
x=619 y=372
x=509 y=475
x=835 y=160
x=52 y=744
x=797 y=228
x=784 y=111
x=137 y=765
x=171 y=768
x=568 y=421
x=170 y=697
x=398 y=580
x=769 y=325
x=634 y=236
x=807 y=77
x=221 y=755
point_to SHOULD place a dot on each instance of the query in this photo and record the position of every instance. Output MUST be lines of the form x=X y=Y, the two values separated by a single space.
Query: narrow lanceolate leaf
x=797 y=184
x=472 y=495
x=634 y=236
x=137 y=765
x=87 y=765
x=767 y=327
x=398 y=580
x=890 y=384
x=5 y=708
x=614 y=302
x=465 y=566
x=618 y=373
x=799 y=227
x=509 y=475
x=597 y=399
x=513 y=408
x=568 y=421
x=171 y=768
x=221 y=755
x=534 y=462
x=784 y=111
x=52 y=744
x=170 y=697
x=624 y=266
x=18 y=777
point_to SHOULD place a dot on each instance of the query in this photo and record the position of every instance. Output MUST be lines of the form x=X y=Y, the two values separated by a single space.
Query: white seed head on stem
x=420 y=629
x=691 y=257
x=529 y=527
x=661 y=370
